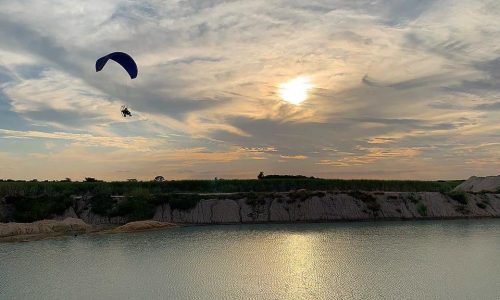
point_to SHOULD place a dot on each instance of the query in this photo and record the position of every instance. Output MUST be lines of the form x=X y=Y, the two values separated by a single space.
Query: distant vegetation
x=262 y=176
x=35 y=200
x=220 y=186
x=33 y=208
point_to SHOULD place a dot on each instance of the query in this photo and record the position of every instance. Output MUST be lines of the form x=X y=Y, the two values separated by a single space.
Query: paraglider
x=125 y=60
x=127 y=63
x=125 y=111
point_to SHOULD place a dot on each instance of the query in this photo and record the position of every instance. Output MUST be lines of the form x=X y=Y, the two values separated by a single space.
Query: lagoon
x=452 y=259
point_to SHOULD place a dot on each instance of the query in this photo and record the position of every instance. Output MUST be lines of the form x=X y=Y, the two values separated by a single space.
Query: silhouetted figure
x=159 y=179
x=261 y=175
x=125 y=111
x=91 y=179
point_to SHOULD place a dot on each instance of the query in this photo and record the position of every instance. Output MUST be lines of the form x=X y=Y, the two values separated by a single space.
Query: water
x=385 y=260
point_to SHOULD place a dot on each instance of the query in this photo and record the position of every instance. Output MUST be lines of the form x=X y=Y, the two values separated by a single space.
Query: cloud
x=131 y=143
x=300 y=157
x=392 y=78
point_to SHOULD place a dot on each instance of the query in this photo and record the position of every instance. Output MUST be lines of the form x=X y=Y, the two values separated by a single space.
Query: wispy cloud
x=132 y=143
x=393 y=79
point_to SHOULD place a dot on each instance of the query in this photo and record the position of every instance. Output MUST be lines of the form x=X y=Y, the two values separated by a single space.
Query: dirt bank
x=488 y=184
x=293 y=206
x=142 y=226
x=42 y=229
x=304 y=206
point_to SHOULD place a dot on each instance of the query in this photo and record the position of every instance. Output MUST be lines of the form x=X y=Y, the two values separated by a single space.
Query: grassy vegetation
x=222 y=186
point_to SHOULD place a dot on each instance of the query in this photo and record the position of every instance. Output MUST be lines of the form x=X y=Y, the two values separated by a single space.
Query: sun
x=295 y=91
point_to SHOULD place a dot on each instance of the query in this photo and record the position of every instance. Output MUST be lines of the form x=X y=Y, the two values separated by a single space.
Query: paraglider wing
x=125 y=60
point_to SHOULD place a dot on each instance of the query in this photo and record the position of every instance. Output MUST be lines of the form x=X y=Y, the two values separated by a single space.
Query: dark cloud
x=18 y=37
x=488 y=83
x=443 y=105
x=406 y=84
x=413 y=124
x=193 y=59
x=371 y=82
x=287 y=137
x=449 y=48
x=177 y=107
x=488 y=106
x=8 y=118
x=401 y=12
x=5 y=75
x=30 y=71
x=490 y=67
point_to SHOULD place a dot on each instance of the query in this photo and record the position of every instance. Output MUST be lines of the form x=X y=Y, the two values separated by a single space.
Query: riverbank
x=285 y=207
x=317 y=206
x=53 y=229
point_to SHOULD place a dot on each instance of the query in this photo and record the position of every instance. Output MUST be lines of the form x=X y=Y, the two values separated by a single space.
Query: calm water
x=393 y=260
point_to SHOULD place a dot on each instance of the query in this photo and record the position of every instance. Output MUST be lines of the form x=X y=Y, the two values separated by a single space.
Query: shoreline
x=297 y=206
x=65 y=230
x=112 y=230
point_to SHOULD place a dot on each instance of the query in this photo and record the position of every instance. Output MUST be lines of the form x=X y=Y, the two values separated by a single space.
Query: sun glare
x=295 y=91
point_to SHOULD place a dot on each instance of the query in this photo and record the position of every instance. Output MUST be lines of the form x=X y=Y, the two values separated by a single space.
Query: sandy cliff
x=142 y=226
x=44 y=227
x=323 y=206
x=294 y=206
x=489 y=184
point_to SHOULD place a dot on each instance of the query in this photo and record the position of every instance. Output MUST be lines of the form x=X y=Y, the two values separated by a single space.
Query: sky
x=399 y=89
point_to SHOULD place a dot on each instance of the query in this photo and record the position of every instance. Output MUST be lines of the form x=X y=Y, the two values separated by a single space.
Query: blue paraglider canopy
x=125 y=60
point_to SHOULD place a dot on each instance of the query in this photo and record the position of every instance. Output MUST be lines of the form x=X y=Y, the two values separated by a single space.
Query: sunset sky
x=393 y=89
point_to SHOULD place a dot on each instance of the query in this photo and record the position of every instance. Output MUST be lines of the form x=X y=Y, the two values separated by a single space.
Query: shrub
x=369 y=200
x=138 y=205
x=251 y=199
x=30 y=209
x=362 y=196
x=102 y=204
x=414 y=198
x=299 y=195
x=159 y=179
x=481 y=205
x=179 y=201
x=462 y=209
x=459 y=197
x=422 y=209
